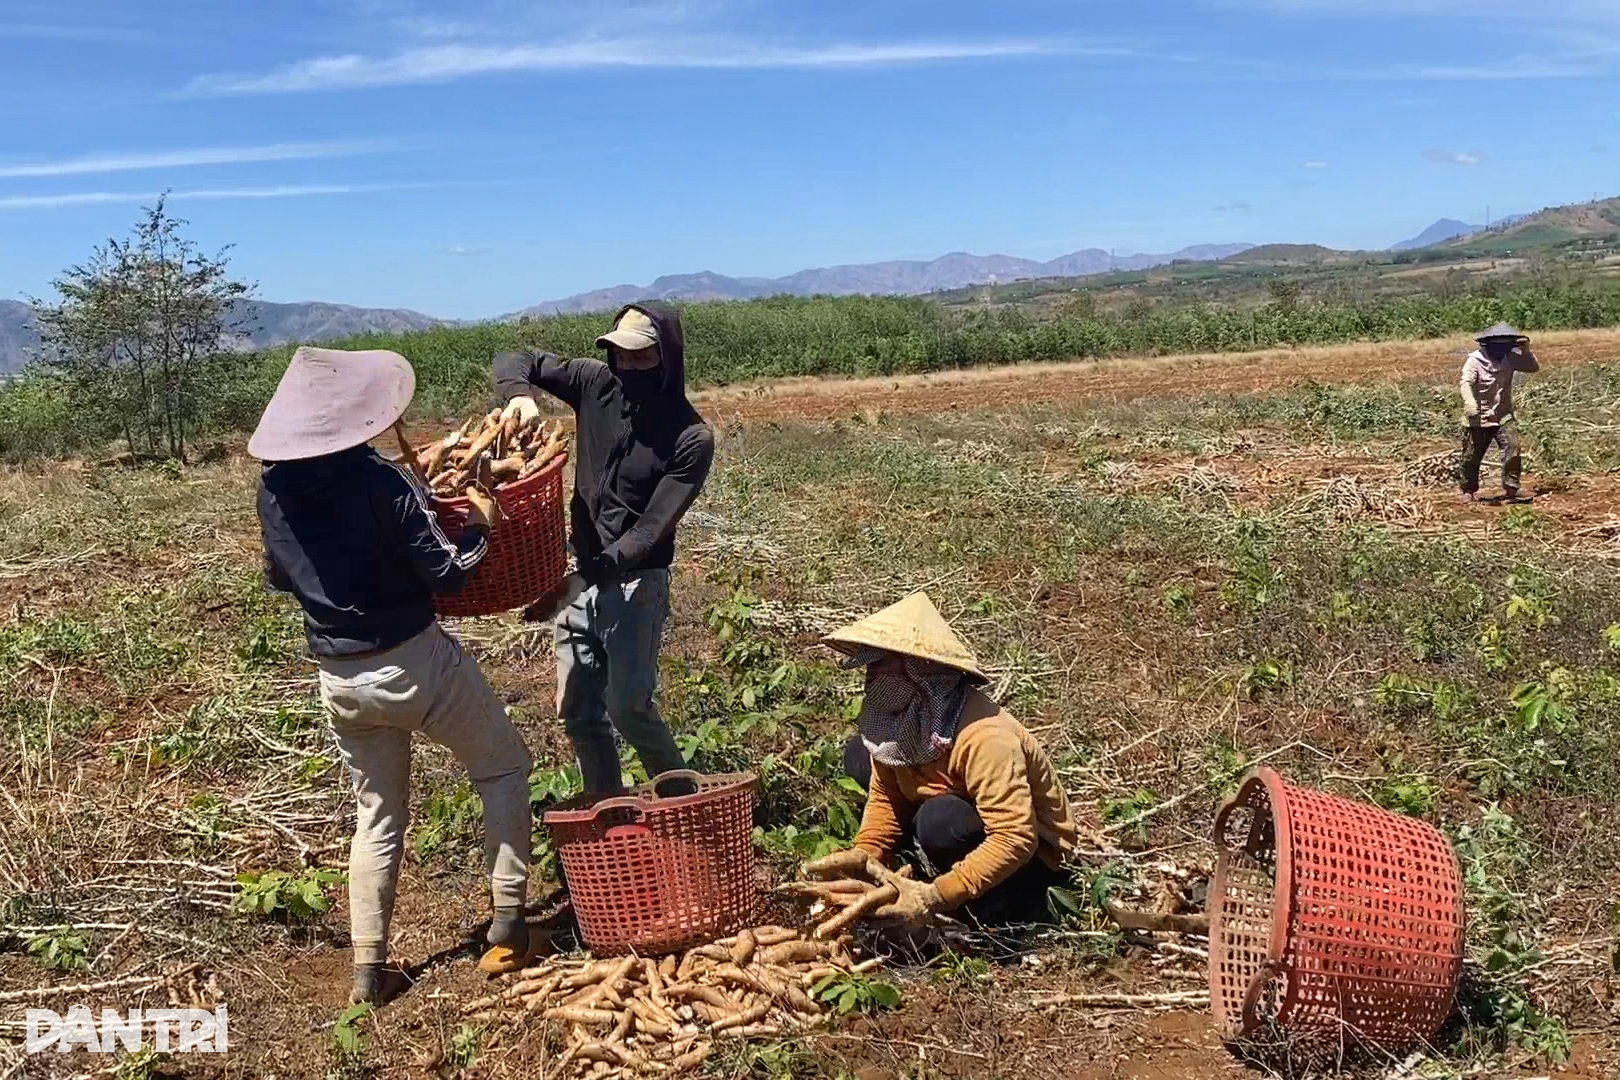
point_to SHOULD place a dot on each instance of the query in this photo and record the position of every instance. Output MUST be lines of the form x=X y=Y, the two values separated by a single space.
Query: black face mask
x=642 y=386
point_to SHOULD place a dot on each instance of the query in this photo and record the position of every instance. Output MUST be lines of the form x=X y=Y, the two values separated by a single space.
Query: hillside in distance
x=899 y=277
x=1438 y=233
x=261 y=323
x=1568 y=229
x=256 y=324
x=1582 y=240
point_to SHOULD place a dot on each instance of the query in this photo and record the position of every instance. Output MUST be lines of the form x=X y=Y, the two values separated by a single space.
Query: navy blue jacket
x=353 y=536
x=641 y=450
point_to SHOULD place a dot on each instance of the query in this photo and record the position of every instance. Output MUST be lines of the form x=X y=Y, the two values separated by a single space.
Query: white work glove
x=524 y=408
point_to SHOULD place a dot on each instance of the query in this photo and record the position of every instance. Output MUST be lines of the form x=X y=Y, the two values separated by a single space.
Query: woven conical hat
x=330 y=400
x=913 y=627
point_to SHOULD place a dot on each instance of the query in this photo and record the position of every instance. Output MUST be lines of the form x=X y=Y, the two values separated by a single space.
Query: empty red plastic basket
x=657 y=875
x=1331 y=919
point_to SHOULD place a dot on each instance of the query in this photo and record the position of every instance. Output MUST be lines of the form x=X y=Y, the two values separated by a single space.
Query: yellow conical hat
x=913 y=627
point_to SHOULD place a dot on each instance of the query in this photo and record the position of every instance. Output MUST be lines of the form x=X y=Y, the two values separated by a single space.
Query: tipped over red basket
x=1331 y=920
x=527 y=555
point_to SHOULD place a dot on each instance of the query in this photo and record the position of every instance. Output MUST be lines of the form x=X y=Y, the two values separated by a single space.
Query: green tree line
x=738 y=341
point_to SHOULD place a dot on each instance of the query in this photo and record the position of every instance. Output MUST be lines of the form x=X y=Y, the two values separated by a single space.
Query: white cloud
x=177 y=159
x=1467 y=158
x=467 y=249
x=61 y=32
x=445 y=63
x=288 y=191
x=1234 y=208
x=1315 y=165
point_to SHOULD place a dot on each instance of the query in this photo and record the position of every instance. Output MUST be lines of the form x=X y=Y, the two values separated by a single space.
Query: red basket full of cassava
x=523 y=465
x=654 y=874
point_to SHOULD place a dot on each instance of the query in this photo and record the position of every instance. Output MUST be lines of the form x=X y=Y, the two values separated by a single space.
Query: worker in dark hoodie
x=642 y=455
x=354 y=537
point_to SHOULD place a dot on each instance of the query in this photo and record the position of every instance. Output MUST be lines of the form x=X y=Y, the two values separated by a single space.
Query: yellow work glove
x=483 y=509
x=917 y=903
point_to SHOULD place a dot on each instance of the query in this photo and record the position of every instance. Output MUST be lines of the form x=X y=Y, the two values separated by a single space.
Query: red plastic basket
x=657 y=875
x=1330 y=920
x=527 y=555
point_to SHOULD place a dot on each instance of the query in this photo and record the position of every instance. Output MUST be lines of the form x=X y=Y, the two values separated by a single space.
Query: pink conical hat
x=331 y=400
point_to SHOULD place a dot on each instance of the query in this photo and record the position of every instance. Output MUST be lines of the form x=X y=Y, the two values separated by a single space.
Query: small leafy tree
x=137 y=332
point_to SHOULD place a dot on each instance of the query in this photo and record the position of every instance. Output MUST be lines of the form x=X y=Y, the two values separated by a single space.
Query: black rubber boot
x=375 y=984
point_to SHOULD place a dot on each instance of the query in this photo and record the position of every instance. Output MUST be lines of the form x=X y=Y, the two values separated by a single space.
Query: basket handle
x=632 y=802
x=675 y=774
x=1271 y=969
x=621 y=802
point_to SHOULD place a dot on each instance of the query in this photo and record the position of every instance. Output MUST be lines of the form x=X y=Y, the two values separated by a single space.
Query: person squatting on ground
x=354 y=538
x=642 y=453
x=1487 y=394
x=949 y=771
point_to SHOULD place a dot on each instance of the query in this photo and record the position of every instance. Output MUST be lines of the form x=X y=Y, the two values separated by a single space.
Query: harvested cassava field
x=1173 y=570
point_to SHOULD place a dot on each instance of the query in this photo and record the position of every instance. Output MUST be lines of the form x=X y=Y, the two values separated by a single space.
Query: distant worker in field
x=353 y=537
x=948 y=772
x=1487 y=394
x=642 y=456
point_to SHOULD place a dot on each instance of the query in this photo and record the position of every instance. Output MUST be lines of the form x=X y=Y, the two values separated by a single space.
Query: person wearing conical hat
x=1487 y=394
x=354 y=537
x=949 y=772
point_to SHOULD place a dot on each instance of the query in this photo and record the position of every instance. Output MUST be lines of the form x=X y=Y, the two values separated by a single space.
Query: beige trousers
x=427 y=685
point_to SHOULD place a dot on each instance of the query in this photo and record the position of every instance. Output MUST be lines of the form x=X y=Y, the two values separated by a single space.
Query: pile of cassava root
x=636 y=1016
x=488 y=451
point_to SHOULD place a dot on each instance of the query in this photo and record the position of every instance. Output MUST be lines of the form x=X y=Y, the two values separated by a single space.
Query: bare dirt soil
x=287 y=988
x=1121 y=381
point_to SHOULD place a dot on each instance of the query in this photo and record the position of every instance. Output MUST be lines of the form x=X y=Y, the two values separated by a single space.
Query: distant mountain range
x=258 y=324
x=1452 y=229
x=263 y=324
x=901 y=277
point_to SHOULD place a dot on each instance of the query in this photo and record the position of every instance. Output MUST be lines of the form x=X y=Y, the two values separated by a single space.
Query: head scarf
x=909 y=719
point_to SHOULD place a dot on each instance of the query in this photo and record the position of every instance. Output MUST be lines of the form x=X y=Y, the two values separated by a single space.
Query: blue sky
x=470 y=157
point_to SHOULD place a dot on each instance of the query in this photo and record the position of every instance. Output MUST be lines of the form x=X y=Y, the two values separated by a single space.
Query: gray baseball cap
x=633 y=331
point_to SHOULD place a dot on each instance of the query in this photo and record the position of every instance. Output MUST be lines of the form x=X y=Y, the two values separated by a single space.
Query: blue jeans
x=607 y=673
